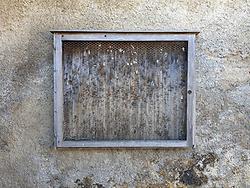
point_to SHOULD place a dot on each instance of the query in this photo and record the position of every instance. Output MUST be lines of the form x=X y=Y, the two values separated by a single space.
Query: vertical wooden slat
x=191 y=91
x=58 y=90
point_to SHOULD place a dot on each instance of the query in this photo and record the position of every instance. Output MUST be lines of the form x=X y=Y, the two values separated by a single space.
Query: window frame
x=118 y=36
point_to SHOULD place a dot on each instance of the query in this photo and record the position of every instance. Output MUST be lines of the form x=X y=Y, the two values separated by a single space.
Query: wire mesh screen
x=125 y=90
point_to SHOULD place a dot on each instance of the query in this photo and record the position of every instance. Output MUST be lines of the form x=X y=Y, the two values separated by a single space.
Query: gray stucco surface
x=222 y=154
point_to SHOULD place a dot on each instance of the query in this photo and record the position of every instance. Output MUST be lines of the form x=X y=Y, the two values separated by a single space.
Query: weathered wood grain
x=125 y=90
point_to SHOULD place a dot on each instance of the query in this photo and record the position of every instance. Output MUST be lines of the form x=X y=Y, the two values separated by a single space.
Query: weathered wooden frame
x=64 y=35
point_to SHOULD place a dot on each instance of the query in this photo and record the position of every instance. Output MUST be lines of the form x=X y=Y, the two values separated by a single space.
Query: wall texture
x=221 y=157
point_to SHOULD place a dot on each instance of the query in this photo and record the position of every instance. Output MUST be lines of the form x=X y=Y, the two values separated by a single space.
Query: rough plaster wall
x=221 y=157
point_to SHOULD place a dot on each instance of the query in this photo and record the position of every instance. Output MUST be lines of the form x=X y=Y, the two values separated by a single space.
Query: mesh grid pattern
x=125 y=90
x=153 y=48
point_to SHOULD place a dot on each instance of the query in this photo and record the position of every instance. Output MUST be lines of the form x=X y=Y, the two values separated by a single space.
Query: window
x=124 y=89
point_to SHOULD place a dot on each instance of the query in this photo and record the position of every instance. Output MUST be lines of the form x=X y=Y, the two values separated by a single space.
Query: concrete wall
x=221 y=158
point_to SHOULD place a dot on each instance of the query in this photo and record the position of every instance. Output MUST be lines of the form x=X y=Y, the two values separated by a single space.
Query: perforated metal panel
x=125 y=90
